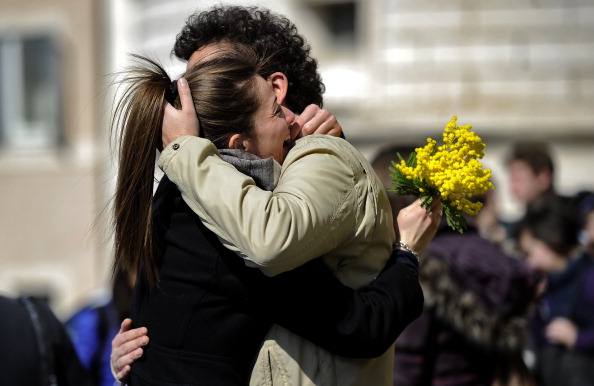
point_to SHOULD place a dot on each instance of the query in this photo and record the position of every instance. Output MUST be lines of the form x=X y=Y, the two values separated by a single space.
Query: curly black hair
x=270 y=35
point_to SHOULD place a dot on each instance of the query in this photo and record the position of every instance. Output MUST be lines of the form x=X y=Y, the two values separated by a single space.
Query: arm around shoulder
x=307 y=215
x=364 y=323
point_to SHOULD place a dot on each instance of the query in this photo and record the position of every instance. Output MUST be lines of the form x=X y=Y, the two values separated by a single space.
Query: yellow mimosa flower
x=451 y=170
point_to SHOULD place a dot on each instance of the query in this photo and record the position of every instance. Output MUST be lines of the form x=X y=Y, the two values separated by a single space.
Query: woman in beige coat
x=327 y=201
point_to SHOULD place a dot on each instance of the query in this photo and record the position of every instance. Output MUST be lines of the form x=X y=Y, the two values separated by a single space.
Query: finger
x=121 y=336
x=134 y=338
x=127 y=353
x=420 y=207
x=122 y=366
x=123 y=374
x=127 y=323
x=185 y=96
x=414 y=207
x=310 y=119
x=320 y=123
x=327 y=126
x=307 y=114
x=127 y=360
x=336 y=131
x=128 y=341
x=126 y=335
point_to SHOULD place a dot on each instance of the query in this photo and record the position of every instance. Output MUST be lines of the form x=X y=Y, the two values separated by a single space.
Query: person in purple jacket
x=473 y=327
x=563 y=326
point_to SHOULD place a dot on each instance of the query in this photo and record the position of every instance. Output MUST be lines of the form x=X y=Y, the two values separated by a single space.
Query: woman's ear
x=236 y=142
x=280 y=85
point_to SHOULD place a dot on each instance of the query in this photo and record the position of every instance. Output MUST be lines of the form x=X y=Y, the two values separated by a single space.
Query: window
x=30 y=92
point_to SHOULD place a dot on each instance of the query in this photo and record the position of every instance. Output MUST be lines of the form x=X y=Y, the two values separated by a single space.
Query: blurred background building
x=395 y=70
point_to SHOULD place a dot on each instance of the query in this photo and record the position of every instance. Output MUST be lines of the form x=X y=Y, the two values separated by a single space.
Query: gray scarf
x=265 y=172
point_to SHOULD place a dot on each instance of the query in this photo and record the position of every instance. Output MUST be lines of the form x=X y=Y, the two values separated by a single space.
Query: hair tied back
x=171 y=93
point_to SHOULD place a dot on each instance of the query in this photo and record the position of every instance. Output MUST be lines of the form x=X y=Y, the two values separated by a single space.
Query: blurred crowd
x=506 y=303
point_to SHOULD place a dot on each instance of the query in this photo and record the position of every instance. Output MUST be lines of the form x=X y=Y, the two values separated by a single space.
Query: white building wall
x=514 y=69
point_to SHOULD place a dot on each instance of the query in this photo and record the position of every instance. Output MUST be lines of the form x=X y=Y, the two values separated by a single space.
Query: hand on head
x=126 y=347
x=417 y=226
x=314 y=120
x=177 y=123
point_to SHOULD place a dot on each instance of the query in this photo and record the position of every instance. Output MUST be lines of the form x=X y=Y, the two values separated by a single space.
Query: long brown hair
x=225 y=98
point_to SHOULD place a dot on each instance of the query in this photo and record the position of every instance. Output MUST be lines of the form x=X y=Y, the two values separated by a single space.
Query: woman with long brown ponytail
x=188 y=283
x=138 y=119
x=202 y=305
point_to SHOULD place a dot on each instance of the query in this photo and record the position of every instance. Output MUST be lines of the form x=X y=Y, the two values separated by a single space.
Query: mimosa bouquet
x=451 y=171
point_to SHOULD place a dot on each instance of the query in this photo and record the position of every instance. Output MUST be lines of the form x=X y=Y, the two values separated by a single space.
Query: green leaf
x=454 y=218
x=412 y=160
x=427 y=202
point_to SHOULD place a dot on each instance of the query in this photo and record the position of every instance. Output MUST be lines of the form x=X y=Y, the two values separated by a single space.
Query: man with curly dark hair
x=269 y=35
x=288 y=66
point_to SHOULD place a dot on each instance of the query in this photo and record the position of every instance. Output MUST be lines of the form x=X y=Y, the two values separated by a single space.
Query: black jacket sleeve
x=311 y=302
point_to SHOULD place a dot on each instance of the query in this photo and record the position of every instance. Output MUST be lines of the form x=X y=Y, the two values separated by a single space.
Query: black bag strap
x=48 y=376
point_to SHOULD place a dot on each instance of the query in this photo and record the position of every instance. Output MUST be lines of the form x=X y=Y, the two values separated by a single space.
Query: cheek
x=517 y=184
x=277 y=134
x=251 y=146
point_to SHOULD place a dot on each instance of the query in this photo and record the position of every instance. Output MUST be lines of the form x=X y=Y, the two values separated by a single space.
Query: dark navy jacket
x=209 y=313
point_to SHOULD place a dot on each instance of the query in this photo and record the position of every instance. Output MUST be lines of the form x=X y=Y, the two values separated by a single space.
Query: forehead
x=519 y=166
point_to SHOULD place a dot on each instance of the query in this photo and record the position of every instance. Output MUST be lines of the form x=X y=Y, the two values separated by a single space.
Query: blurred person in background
x=531 y=173
x=93 y=327
x=563 y=322
x=35 y=349
x=474 y=323
x=487 y=221
x=588 y=229
x=531 y=169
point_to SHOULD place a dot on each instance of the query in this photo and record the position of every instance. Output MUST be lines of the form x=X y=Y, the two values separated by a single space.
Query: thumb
x=185 y=96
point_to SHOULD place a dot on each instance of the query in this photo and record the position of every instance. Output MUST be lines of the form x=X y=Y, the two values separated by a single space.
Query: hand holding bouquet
x=452 y=171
